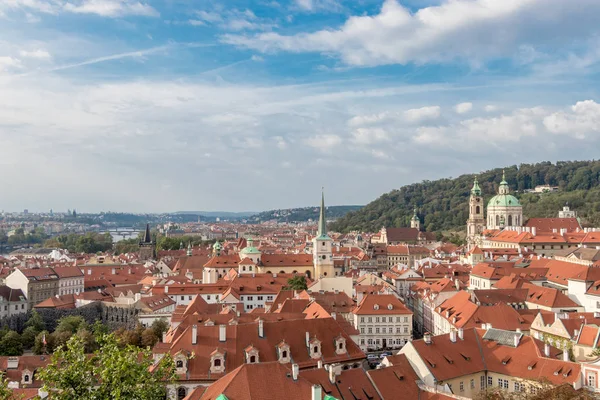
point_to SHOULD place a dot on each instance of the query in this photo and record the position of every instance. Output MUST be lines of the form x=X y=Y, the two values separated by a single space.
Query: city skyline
x=148 y=106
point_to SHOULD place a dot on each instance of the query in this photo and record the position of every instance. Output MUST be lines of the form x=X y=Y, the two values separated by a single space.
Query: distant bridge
x=122 y=232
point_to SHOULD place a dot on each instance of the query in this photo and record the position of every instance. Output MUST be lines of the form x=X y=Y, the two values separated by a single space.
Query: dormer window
x=390 y=306
x=376 y=307
x=180 y=364
x=217 y=362
x=252 y=355
x=315 y=348
x=340 y=345
x=284 y=353
x=26 y=379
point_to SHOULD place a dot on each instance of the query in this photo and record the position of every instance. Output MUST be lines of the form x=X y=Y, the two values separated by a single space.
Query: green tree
x=148 y=338
x=39 y=347
x=28 y=337
x=160 y=326
x=5 y=392
x=297 y=283
x=112 y=372
x=11 y=344
x=35 y=321
x=71 y=324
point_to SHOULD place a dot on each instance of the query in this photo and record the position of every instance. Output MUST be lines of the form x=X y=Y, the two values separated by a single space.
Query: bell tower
x=322 y=247
x=415 y=222
x=476 y=222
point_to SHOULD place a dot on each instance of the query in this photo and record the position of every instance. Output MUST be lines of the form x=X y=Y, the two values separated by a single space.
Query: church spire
x=476 y=190
x=189 y=249
x=322 y=222
x=147 y=237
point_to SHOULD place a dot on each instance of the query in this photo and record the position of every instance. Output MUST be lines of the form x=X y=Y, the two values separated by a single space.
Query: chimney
x=533 y=230
x=575 y=334
x=194 y=334
x=222 y=333
x=164 y=337
x=547 y=350
x=261 y=328
x=317 y=392
x=166 y=289
x=319 y=364
x=516 y=339
x=427 y=338
x=488 y=326
x=307 y=338
x=113 y=271
x=89 y=271
x=332 y=374
x=333 y=315
x=12 y=363
x=453 y=335
x=295 y=371
x=461 y=333
x=566 y=354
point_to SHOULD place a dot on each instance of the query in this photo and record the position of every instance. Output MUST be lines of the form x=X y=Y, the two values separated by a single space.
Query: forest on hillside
x=301 y=214
x=443 y=204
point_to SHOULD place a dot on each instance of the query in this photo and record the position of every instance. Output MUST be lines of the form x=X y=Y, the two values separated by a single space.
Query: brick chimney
x=222 y=333
x=194 y=334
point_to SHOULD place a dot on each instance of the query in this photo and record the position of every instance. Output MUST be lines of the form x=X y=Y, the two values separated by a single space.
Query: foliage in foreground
x=114 y=371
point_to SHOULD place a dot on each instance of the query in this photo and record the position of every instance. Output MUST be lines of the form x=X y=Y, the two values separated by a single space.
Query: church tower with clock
x=476 y=222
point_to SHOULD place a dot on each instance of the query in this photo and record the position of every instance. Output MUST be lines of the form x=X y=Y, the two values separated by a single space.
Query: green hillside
x=301 y=214
x=443 y=204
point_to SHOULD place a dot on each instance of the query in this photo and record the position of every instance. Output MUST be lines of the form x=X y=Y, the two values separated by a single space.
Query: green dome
x=217 y=245
x=504 y=200
x=250 y=249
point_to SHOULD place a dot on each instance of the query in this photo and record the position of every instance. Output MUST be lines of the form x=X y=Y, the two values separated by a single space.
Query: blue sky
x=130 y=105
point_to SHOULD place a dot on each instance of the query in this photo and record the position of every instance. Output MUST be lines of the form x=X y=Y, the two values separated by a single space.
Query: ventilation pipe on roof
x=295 y=371
x=566 y=354
x=307 y=339
x=461 y=333
x=516 y=339
x=333 y=315
x=489 y=326
x=194 y=334
x=453 y=335
x=319 y=364
x=317 y=392
x=427 y=338
x=222 y=333
x=533 y=230
x=164 y=337
x=261 y=328
x=547 y=350
x=332 y=374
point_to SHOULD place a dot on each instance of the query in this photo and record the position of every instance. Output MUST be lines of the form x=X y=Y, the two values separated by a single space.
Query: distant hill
x=219 y=214
x=443 y=204
x=301 y=214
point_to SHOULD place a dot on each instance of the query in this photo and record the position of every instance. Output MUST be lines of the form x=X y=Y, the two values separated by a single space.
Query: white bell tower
x=322 y=247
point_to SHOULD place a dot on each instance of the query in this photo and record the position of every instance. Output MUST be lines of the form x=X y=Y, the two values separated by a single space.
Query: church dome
x=504 y=200
x=250 y=249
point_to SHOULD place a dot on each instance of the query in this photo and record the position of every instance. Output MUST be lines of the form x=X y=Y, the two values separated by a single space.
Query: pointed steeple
x=503 y=188
x=189 y=249
x=147 y=237
x=322 y=232
x=476 y=190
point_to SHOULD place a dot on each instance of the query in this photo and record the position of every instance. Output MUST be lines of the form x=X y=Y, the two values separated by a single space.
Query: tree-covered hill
x=443 y=204
x=301 y=214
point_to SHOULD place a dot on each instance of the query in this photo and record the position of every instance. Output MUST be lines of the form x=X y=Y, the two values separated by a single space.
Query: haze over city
x=153 y=106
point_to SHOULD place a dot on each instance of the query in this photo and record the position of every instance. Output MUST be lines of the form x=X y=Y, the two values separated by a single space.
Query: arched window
x=308 y=274
x=341 y=345
x=217 y=362
x=252 y=359
x=26 y=378
x=477 y=210
x=316 y=349
x=181 y=393
x=250 y=268
x=282 y=272
x=284 y=354
x=243 y=268
x=179 y=364
x=497 y=220
x=510 y=220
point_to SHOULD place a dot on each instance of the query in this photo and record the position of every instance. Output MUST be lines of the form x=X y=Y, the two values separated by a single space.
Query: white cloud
x=111 y=8
x=370 y=135
x=104 y=8
x=280 y=142
x=305 y=4
x=9 y=63
x=422 y=114
x=37 y=54
x=232 y=20
x=490 y=108
x=361 y=120
x=465 y=30
x=324 y=142
x=513 y=127
x=463 y=108
x=583 y=119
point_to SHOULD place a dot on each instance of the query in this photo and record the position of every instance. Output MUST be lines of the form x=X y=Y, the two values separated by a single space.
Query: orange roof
x=381 y=304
